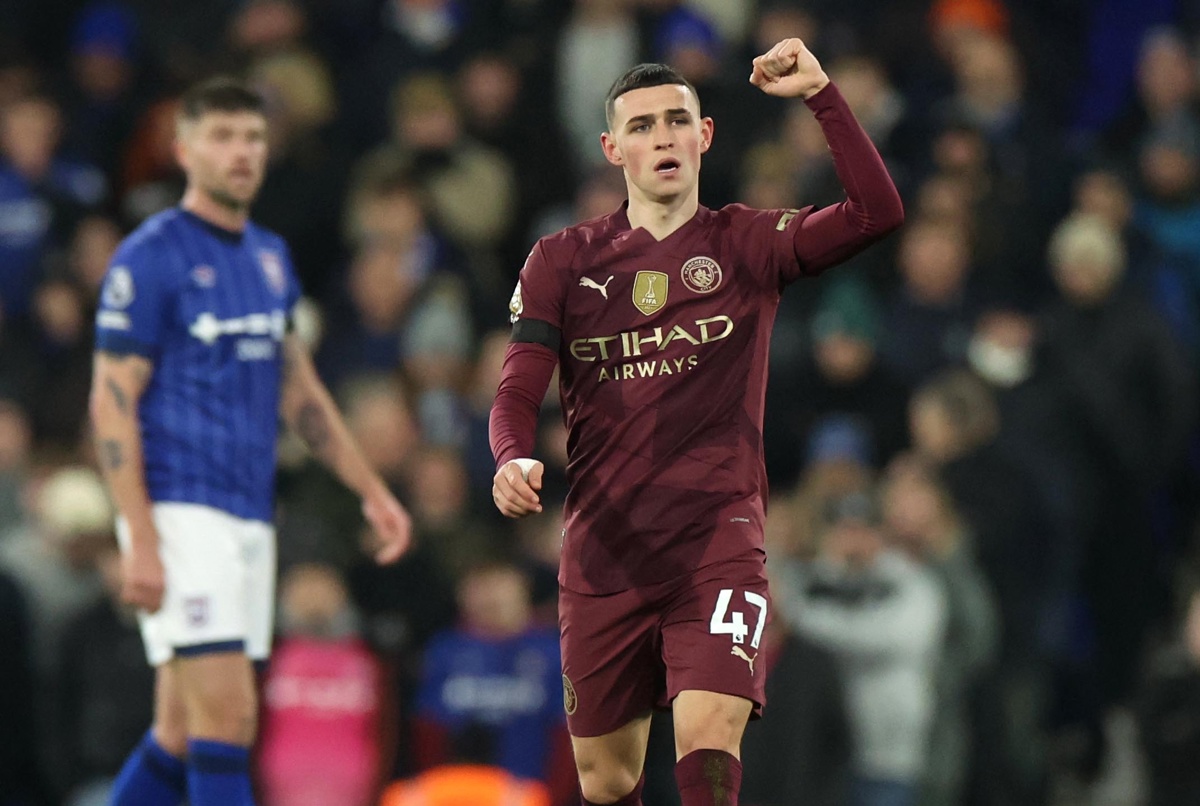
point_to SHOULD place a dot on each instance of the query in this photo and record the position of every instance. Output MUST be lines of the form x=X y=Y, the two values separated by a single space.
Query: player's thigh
x=218 y=694
x=259 y=551
x=170 y=716
x=713 y=630
x=204 y=601
x=612 y=660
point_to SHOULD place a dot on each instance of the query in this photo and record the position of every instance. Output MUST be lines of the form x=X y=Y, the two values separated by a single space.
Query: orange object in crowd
x=466 y=785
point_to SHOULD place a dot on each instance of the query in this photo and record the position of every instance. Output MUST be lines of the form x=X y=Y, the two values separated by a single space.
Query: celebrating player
x=659 y=318
x=194 y=364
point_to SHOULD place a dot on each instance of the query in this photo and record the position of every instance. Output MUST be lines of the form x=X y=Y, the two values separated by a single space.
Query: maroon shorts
x=626 y=653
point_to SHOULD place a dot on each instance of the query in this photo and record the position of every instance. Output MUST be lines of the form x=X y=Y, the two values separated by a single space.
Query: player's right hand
x=142 y=579
x=515 y=490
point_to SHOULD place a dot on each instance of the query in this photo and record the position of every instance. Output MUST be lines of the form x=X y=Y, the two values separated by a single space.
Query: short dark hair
x=220 y=94
x=640 y=77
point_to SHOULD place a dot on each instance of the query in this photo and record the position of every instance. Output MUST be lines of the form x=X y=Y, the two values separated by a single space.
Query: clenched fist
x=789 y=70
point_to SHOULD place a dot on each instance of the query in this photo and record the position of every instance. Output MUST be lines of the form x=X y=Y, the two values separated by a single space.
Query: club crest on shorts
x=649 y=291
x=570 y=701
x=272 y=268
x=195 y=609
x=701 y=274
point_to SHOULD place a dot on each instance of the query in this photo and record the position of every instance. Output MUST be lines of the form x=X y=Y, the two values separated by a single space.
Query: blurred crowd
x=982 y=434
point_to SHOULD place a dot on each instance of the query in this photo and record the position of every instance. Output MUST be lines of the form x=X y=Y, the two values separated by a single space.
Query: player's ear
x=706 y=134
x=611 y=152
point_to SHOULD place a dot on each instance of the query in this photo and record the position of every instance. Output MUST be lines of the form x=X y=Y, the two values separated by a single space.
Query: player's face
x=224 y=154
x=658 y=136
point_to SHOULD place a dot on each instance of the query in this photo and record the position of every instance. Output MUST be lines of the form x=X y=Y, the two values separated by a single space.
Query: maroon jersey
x=662 y=354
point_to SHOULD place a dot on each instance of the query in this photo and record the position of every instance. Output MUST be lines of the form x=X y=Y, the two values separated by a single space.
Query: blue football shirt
x=209 y=308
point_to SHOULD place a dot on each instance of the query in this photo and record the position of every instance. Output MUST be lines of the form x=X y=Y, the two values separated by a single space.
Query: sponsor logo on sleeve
x=701 y=274
x=516 y=306
x=113 y=320
x=118 y=288
x=786 y=219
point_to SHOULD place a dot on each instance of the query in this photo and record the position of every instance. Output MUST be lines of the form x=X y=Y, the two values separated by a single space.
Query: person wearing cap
x=883 y=617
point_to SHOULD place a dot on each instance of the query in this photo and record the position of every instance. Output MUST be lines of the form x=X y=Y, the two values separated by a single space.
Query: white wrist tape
x=525 y=464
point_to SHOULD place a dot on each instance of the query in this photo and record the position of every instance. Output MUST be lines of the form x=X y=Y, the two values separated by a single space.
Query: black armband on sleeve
x=536 y=331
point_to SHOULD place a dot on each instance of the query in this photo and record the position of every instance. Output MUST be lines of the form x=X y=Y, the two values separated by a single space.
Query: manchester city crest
x=701 y=274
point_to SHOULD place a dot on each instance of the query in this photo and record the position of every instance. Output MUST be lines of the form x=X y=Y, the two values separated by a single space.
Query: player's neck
x=200 y=204
x=661 y=218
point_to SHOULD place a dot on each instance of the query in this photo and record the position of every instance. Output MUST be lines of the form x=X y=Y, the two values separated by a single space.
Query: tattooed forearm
x=111 y=454
x=312 y=427
x=119 y=396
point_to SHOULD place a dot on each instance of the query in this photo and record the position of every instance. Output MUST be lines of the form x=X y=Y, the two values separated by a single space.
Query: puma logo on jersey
x=741 y=653
x=588 y=282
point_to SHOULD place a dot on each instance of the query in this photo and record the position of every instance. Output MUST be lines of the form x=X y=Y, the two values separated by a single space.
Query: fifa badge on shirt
x=272 y=268
x=649 y=291
x=701 y=274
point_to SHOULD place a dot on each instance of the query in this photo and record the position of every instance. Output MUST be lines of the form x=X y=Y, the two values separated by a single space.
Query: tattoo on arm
x=122 y=399
x=111 y=454
x=312 y=427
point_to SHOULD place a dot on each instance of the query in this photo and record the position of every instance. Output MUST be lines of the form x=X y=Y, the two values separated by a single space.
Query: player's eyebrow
x=649 y=116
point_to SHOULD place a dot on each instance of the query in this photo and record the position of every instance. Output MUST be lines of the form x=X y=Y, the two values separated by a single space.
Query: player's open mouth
x=667 y=166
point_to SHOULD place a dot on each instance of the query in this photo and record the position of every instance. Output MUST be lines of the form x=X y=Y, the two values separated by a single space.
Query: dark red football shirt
x=662 y=355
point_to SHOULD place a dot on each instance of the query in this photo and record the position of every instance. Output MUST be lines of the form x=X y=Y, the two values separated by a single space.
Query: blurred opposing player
x=659 y=317
x=195 y=363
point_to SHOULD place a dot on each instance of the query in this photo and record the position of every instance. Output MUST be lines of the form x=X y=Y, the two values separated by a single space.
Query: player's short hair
x=219 y=94
x=640 y=77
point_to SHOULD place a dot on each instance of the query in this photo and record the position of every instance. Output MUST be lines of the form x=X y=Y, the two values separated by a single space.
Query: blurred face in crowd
x=852 y=542
x=29 y=132
x=439 y=488
x=933 y=260
x=92 y=248
x=657 y=136
x=495 y=601
x=1165 y=74
x=59 y=311
x=382 y=425
x=1105 y=196
x=934 y=436
x=312 y=599
x=16 y=437
x=380 y=287
x=1170 y=173
x=1085 y=280
x=489 y=86
x=224 y=155
x=842 y=357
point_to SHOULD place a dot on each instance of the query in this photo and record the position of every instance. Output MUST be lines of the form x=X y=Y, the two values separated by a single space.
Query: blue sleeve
x=294 y=290
x=433 y=679
x=135 y=300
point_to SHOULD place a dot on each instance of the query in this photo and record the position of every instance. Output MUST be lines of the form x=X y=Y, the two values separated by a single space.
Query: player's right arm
x=135 y=302
x=118 y=381
x=536 y=312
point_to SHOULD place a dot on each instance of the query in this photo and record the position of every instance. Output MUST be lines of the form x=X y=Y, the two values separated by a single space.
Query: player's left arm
x=872 y=209
x=309 y=410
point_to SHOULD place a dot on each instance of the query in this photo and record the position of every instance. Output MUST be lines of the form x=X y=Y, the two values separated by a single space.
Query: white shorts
x=220 y=584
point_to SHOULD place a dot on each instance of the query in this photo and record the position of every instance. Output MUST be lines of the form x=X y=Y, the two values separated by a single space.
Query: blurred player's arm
x=118 y=381
x=529 y=365
x=872 y=208
x=309 y=410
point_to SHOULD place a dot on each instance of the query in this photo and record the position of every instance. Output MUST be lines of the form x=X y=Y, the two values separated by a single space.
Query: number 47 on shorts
x=736 y=626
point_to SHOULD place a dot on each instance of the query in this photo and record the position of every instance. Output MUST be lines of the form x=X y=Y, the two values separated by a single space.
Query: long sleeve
x=512 y=426
x=872 y=207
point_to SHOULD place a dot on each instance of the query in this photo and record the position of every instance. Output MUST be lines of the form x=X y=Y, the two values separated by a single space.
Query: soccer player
x=659 y=317
x=195 y=363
